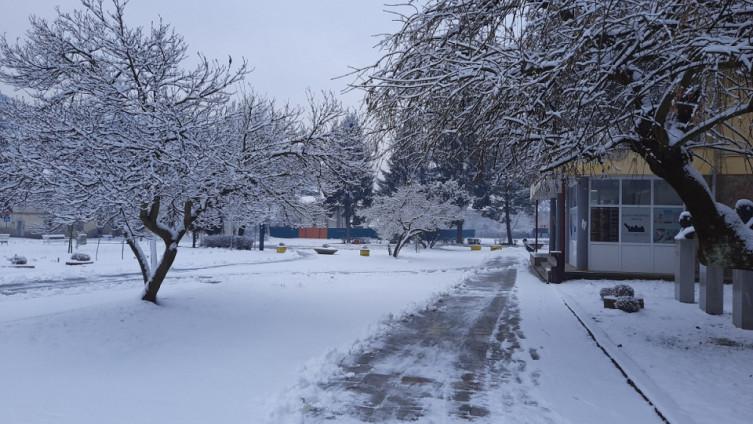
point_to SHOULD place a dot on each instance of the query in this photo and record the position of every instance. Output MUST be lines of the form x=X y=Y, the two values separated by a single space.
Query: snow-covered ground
x=700 y=363
x=235 y=328
x=239 y=333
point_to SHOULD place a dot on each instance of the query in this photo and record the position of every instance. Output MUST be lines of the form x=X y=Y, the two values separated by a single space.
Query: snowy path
x=467 y=358
x=458 y=351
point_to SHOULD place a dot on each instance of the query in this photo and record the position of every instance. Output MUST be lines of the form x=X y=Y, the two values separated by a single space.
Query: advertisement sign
x=636 y=225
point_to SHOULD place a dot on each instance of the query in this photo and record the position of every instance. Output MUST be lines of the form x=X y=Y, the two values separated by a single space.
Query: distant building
x=26 y=221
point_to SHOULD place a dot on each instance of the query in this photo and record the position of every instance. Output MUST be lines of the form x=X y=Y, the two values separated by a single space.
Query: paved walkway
x=445 y=361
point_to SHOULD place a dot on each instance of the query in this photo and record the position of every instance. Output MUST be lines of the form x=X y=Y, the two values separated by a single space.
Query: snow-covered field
x=234 y=330
x=701 y=363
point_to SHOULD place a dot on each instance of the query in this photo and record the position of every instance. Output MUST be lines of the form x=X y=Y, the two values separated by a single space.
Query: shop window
x=666 y=224
x=605 y=222
x=664 y=194
x=605 y=192
x=636 y=225
x=636 y=192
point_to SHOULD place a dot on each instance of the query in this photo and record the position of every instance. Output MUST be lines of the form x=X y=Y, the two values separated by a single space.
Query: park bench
x=4 y=238
x=46 y=238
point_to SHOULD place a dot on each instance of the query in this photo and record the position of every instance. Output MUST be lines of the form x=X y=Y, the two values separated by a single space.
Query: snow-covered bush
x=81 y=257
x=623 y=290
x=234 y=242
x=628 y=304
x=606 y=291
x=620 y=290
x=18 y=260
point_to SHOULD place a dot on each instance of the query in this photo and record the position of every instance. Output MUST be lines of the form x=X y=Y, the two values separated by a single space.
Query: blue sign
x=6 y=218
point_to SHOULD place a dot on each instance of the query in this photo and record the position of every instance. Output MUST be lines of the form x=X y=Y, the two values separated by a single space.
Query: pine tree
x=354 y=190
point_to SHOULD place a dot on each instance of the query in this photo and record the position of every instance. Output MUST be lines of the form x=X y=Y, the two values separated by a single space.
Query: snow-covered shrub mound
x=18 y=260
x=628 y=304
x=80 y=257
x=234 y=242
x=623 y=290
x=606 y=291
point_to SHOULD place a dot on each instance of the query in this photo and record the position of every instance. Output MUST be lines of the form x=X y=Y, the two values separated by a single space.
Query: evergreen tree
x=502 y=200
x=354 y=190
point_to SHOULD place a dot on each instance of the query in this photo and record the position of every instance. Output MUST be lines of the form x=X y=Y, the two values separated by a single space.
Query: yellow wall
x=630 y=163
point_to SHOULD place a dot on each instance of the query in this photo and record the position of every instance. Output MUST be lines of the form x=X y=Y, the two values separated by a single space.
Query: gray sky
x=291 y=44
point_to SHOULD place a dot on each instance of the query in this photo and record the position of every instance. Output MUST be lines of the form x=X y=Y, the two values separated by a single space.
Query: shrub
x=18 y=260
x=606 y=291
x=81 y=257
x=622 y=290
x=628 y=304
x=235 y=242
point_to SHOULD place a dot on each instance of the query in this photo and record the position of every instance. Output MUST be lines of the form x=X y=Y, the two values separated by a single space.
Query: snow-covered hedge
x=235 y=242
x=620 y=290
x=628 y=304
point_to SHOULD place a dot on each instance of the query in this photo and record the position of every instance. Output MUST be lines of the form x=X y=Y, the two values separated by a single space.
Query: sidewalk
x=695 y=366
x=502 y=348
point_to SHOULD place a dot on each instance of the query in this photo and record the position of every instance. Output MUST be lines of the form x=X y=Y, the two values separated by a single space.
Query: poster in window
x=666 y=224
x=636 y=225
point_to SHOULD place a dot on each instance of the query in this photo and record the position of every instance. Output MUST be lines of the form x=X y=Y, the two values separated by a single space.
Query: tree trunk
x=158 y=276
x=149 y=216
x=459 y=233
x=508 y=226
x=401 y=241
x=348 y=212
x=194 y=238
x=719 y=243
x=139 y=254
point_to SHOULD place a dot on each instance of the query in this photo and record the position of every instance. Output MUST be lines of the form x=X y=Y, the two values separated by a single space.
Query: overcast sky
x=291 y=44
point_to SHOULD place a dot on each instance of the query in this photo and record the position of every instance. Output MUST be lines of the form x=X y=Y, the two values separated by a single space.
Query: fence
x=355 y=233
